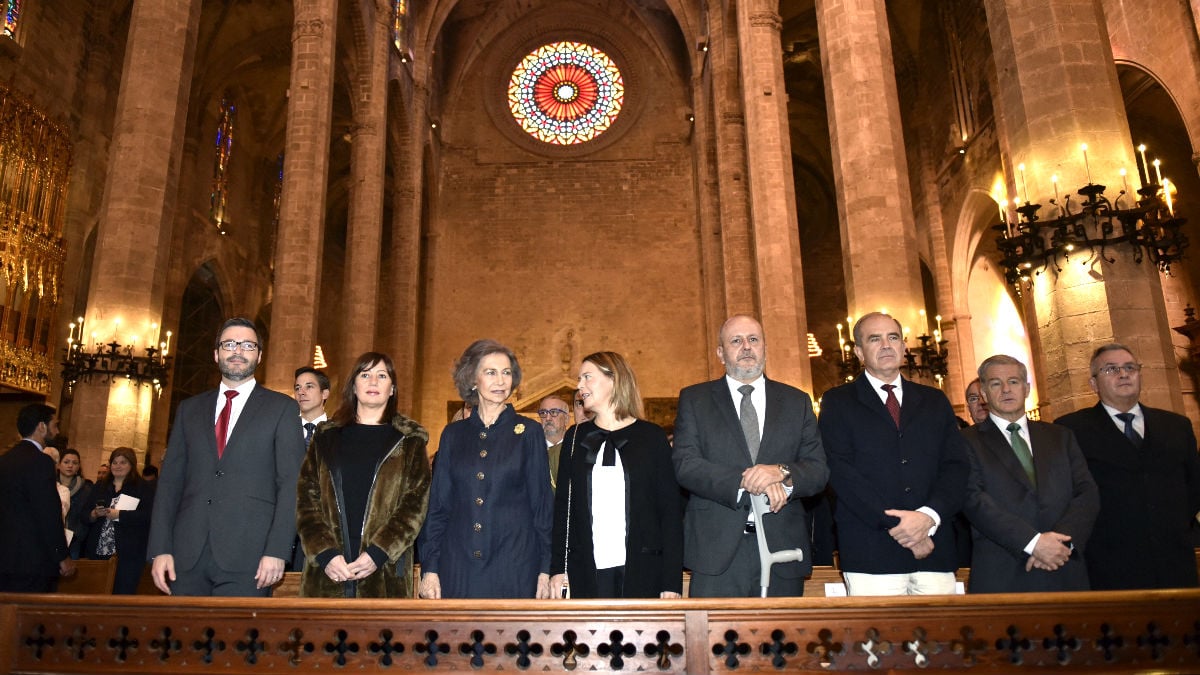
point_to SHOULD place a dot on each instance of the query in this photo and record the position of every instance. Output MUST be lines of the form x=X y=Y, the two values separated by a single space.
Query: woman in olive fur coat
x=363 y=491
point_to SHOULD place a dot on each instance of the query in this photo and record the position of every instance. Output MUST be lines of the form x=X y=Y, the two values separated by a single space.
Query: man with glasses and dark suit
x=1145 y=463
x=225 y=515
x=555 y=417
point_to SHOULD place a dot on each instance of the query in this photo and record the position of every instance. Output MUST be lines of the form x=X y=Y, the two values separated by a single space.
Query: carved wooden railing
x=1068 y=632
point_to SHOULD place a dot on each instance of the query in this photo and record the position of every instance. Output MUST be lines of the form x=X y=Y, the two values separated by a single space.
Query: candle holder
x=1148 y=227
x=930 y=359
x=113 y=361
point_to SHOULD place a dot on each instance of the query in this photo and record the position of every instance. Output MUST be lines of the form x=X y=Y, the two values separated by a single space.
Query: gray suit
x=1006 y=510
x=237 y=508
x=710 y=454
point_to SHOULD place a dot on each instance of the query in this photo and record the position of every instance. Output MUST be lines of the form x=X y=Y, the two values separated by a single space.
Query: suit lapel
x=253 y=404
x=997 y=444
x=1044 y=449
x=913 y=399
x=1115 y=447
x=723 y=402
x=872 y=401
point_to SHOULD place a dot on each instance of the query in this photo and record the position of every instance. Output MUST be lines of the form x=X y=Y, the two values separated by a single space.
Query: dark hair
x=626 y=399
x=347 y=413
x=70 y=451
x=31 y=416
x=322 y=378
x=1103 y=349
x=467 y=365
x=237 y=321
x=150 y=471
x=129 y=454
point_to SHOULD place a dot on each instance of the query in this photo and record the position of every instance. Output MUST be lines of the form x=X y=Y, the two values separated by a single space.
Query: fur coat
x=395 y=512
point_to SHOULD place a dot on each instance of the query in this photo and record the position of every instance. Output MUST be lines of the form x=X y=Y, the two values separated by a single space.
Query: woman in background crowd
x=80 y=490
x=362 y=493
x=123 y=532
x=618 y=514
x=490 y=508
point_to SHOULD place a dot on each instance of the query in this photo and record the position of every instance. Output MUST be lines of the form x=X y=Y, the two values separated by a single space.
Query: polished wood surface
x=1077 y=632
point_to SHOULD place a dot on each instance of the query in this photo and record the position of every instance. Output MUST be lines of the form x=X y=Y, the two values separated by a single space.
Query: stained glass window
x=223 y=150
x=565 y=93
x=399 y=21
x=12 y=16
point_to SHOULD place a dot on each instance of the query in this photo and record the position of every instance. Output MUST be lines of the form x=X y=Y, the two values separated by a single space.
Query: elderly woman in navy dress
x=487 y=532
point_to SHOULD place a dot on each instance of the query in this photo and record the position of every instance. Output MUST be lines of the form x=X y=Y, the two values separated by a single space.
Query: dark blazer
x=653 y=510
x=132 y=530
x=874 y=467
x=243 y=504
x=32 y=540
x=1148 y=499
x=710 y=455
x=1006 y=510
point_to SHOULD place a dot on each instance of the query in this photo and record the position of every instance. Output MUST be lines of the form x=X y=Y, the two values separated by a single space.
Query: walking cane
x=766 y=558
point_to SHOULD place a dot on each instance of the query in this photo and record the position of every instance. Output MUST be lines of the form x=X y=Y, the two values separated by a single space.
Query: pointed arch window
x=222 y=153
x=12 y=17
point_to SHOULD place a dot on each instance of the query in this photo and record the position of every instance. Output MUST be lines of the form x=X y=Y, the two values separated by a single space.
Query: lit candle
x=1024 y=184
x=1086 y=167
x=1124 y=180
x=162 y=352
x=1144 y=165
x=167 y=348
x=1054 y=182
x=1167 y=193
x=1158 y=171
x=116 y=328
x=938 y=318
x=71 y=334
x=839 y=327
x=154 y=327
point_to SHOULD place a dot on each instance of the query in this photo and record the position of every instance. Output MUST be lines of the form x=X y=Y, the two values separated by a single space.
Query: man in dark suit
x=33 y=544
x=1030 y=498
x=1145 y=462
x=898 y=468
x=737 y=436
x=225 y=514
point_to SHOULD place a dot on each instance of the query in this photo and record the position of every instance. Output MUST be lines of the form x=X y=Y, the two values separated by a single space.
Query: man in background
x=33 y=543
x=555 y=416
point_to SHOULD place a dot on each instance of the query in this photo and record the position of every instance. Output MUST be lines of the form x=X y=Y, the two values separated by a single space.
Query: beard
x=237 y=371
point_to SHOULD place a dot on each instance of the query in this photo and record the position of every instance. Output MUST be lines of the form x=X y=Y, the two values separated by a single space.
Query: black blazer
x=32 y=540
x=710 y=455
x=132 y=532
x=874 y=467
x=653 y=510
x=1148 y=499
x=1006 y=510
x=243 y=504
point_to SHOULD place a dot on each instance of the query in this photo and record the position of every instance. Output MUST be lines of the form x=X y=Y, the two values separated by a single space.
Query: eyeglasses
x=974 y=399
x=233 y=345
x=551 y=412
x=579 y=402
x=1128 y=369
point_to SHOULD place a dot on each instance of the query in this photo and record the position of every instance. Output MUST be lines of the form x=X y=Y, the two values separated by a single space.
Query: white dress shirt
x=1139 y=418
x=239 y=402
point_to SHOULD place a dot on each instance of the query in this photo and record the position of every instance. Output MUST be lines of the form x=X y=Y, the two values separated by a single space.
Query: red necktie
x=892 y=403
x=223 y=422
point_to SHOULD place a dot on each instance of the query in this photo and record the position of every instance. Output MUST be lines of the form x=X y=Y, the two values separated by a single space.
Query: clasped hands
x=339 y=570
x=1050 y=552
x=913 y=531
x=766 y=479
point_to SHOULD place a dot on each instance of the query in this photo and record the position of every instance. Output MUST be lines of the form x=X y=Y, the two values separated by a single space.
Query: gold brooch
x=519 y=429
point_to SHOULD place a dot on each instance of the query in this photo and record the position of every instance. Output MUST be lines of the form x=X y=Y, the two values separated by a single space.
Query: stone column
x=729 y=138
x=365 y=227
x=300 y=237
x=404 y=258
x=136 y=220
x=1058 y=89
x=778 y=277
x=870 y=169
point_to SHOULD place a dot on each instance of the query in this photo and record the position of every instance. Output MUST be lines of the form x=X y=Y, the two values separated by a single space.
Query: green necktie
x=1021 y=450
